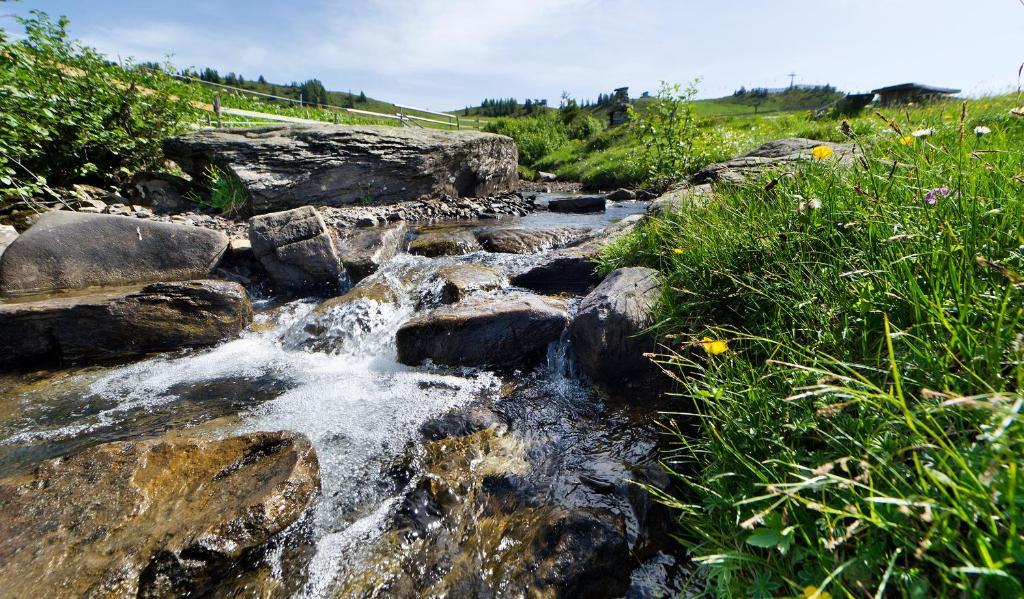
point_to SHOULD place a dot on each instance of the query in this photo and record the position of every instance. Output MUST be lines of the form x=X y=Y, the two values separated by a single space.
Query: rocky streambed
x=394 y=410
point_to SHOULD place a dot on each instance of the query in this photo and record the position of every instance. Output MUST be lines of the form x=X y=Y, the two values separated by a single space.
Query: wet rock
x=547 y=177
x=461 y=280
x=444 y=243
x=297 y=250
x=461 y=424
x=578 y=204
x=363 y=252
x=581 y=553
x=283 y=167
x=68 y=250
x=776 y=153
x=119 y=322
x=7 y=236
x=622 y=195
x=526 y=241
x=573 y=269
x=163 y=193
x=502 y=330
x=241 y=265
x=161 y=517
x=606 y=334
x=680 y=198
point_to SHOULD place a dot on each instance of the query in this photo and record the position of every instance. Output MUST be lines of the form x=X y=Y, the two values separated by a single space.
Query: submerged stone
x=160 y=517
x=527 y=241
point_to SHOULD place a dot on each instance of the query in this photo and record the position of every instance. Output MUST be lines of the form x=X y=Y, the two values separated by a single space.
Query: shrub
x=70 y=115
x=583 y=127
x=225 y=193
x=860 y=436
x=535 y=136
x=672 y=143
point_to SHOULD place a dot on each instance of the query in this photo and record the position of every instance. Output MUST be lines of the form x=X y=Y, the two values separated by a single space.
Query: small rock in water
x=526 y=241
x=622 y=195
x=461 y=280
x=578 y=204
x=443 y=243
x=363 y=252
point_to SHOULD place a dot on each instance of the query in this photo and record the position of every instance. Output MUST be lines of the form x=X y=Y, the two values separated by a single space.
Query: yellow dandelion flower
x=814 y=592
x=907 y=140
x=821 y=152
x=714 y=347
x=677 y=251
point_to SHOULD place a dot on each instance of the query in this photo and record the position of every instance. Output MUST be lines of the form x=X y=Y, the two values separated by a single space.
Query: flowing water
x=378 y=428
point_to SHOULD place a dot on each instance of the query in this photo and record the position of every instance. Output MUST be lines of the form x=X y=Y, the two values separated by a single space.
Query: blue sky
x=445 y=54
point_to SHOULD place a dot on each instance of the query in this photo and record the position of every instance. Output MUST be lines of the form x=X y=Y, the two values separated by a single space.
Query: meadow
x=846 y=343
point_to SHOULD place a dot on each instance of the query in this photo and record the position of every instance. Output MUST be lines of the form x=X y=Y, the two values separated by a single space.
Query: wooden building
x=905 y=93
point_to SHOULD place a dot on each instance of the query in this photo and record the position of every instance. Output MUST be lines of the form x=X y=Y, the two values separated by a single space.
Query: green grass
x=861 y=434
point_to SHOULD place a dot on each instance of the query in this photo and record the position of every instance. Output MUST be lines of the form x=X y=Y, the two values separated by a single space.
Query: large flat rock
x=104 y=324
x=155 y=518
x=71 y=250
x=778 y=153
x=527 y=241
x=482 y=330
x=283 y=167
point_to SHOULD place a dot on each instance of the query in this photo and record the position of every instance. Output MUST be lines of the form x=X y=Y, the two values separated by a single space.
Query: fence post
x=335 y=118
x=401 y=114
x=216 y=109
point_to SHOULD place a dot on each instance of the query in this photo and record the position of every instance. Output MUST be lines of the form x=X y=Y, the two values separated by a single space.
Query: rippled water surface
x=364 y=413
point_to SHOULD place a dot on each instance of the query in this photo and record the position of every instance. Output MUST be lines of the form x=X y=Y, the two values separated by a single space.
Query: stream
x=435 y=481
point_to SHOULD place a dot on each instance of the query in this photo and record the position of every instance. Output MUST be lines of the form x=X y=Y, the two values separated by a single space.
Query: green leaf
x=765 y=537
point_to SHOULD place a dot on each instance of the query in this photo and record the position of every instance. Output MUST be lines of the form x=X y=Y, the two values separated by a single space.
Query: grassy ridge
x=859 y=436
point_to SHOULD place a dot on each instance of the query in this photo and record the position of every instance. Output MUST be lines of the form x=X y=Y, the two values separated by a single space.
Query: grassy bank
x=848 y=345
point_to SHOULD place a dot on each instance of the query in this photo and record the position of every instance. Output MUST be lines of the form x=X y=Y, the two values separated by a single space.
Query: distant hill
x=760 y=100
x=311 y=91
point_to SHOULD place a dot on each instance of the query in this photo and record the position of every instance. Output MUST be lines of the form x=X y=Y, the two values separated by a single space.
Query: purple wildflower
x=932 y=197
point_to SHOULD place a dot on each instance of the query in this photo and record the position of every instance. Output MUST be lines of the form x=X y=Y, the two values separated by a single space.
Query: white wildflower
x=981 y=130
x=923 y=132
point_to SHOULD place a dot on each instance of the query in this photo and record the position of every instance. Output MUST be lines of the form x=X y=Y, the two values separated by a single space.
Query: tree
x=261 y=80
x=313 y=92
x=362 y=97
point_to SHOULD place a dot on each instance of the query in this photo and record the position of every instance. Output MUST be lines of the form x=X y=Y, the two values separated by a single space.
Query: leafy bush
x=857 y=429
x=535 y=136
x=583 y=127
x=672 y=143
x=67 y=114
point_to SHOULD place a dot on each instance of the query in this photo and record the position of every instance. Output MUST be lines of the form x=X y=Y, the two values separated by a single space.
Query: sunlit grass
x=860 y=436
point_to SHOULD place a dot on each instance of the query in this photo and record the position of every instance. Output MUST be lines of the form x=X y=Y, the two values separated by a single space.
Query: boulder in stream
x=71 y=250
x=608 y=337
x=365 y=250
x=482 y=330
x=160 y=517
x=526 y=241
x=105 y=324
x=297 y=250
x=458 y=281
x=285 y=166
x=574 y=269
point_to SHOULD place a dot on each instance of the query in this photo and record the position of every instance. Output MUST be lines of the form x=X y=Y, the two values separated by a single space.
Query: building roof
x=904 y=87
